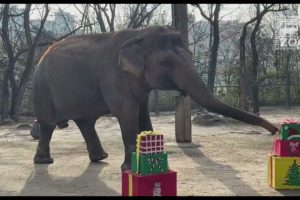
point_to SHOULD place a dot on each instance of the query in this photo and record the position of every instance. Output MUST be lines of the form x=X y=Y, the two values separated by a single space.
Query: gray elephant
x=84 y=77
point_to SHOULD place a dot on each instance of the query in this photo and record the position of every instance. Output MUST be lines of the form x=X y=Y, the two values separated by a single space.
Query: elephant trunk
x=190 y=82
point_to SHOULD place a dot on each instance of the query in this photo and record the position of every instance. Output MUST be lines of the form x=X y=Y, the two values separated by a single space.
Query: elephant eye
x=165 y=62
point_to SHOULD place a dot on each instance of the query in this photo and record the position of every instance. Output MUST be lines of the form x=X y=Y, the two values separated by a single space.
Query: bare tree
x=248 y=76
x=108 y=14
x=214 y=23
x=20 y=46
x=140 y=15
x=8 y=48
x=31 y=43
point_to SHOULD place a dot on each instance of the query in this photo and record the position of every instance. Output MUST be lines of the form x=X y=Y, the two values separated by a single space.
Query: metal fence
x=269 y=95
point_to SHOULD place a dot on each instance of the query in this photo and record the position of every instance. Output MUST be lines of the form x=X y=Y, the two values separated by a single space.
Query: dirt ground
x=223 y=160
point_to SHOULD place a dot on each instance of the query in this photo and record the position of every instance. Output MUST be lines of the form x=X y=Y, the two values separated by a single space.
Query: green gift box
x=289 y=132
x=149 y=163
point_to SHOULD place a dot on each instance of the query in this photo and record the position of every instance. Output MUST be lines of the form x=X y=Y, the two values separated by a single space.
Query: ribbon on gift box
x=142 y=134
x=289 y=121
x=130 y=184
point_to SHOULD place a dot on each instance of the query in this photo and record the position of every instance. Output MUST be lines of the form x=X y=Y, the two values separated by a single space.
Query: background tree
x=213 y=19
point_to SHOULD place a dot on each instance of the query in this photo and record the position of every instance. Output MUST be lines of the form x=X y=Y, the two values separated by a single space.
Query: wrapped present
x=163 y=184
x=149 y=163
x=284 y=172
x=289 y=130
x=285 y=148
x=154 y=137
x=149 y=142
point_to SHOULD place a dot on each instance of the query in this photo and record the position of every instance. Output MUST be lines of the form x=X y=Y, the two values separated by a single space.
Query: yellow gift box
x=284 y=172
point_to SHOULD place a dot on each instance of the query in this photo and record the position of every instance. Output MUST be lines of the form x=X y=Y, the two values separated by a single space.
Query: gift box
x=150 y=163
x=284 y=172
x=163 y=184
x=289 y=130
x=285 y=148
x=150 y=142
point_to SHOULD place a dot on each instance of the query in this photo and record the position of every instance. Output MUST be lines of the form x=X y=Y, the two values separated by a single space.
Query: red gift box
x=152 y=144
x=285 y=148
x=163 y=184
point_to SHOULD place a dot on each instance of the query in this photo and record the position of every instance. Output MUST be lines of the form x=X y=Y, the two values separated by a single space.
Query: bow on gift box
x=289 y=121
x=293 y=145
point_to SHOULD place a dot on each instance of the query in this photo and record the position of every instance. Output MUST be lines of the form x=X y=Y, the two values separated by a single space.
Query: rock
x=23 y=126
x=207 y=119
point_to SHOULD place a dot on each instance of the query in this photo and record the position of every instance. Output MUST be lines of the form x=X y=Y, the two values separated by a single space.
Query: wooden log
x=183 y=119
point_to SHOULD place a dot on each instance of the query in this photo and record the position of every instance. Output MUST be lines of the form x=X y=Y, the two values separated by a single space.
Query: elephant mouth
x=183 y=93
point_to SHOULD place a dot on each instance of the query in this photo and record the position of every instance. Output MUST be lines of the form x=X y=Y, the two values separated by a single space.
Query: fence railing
x=269 y=95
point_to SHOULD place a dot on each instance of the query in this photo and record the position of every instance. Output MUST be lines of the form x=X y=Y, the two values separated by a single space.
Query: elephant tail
x=62 y=124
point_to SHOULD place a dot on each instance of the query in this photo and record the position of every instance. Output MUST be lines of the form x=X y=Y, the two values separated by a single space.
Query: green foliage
x=293 y=175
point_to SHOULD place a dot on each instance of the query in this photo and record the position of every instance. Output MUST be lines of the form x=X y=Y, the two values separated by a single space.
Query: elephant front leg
x=144 y=117
x=94 y=147
x=129 y=124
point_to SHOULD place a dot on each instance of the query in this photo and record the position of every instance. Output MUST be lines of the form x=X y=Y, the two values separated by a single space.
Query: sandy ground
x=223 y=160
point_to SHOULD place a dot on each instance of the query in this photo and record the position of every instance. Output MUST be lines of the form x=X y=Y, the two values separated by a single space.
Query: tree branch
x=41 y=26
x=203 y=13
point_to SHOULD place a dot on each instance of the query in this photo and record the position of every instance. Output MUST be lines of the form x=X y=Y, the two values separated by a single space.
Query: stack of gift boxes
x=149 y=174
x=284 y=160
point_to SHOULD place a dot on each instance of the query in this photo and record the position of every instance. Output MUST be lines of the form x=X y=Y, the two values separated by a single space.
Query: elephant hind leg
x=94 y=147
x=42 y=155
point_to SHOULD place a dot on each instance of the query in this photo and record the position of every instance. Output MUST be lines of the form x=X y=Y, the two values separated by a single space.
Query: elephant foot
x=126 y=166
x=98 y=157
x=41 y=159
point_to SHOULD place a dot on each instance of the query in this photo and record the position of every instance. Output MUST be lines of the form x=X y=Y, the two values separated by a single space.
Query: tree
x=214 y=24
x=246 y=74
x=21 y=39
x=255 y=59
x=110 y=20
x=136 y=15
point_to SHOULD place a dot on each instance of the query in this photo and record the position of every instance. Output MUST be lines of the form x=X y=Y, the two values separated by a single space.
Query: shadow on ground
x=224 y=173
x=289 y=192
x=41 y=183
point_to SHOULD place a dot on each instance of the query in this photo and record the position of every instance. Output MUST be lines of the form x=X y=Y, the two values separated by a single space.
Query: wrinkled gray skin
x=84 y=77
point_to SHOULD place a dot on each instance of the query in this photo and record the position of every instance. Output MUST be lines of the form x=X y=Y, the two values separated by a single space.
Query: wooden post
x=183 y=129
x=183 y=119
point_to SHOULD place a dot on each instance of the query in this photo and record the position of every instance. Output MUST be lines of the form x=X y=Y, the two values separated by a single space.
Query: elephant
x=84 y=77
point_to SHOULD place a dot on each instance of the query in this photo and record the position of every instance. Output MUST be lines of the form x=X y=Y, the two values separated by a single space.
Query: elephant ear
x=131 y=57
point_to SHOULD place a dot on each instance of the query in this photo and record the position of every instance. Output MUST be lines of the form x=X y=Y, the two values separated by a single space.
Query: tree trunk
x=18 y=97
x=5 y=96
x=214 y=51
x=183 y=108
x=287 y=78
x=10 y=54
x=244 y=77
x=255 y=63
